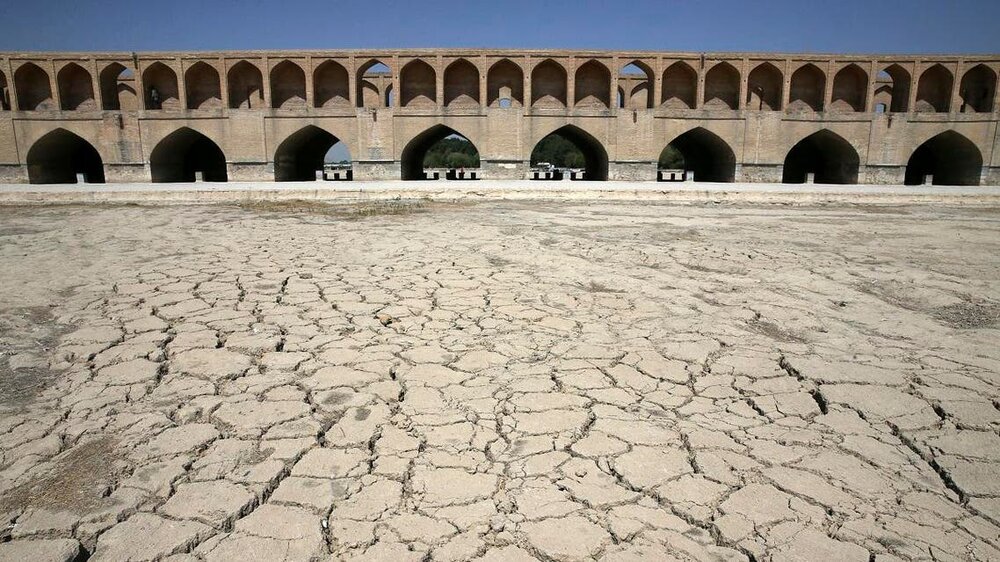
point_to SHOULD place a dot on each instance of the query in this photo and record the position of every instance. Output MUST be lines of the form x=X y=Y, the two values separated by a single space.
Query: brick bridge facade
x=272 y=115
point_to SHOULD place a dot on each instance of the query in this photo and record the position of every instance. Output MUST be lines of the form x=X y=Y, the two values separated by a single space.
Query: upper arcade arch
x=850 y=89
x=824 y=154
x=934 y=90
x=461 y=84
x=592 y=85
x=246 y=86
x=4 y=93
x=288 y=86
x=722 y=87
x=764 y=88
x=548 y=85
x=374 y=80
x=947 y=159
x=807 y=89
x=979 y=87
x=183 y=154
x=34 y=91
x=418 y=84
x=893 y=88
x=160 y=84
x=118 y=88
x=331 y=85
x=59 y=156
x=76 y=88
x=505 y=81
x=640 y=77
x=202 y=87
x=680 y=86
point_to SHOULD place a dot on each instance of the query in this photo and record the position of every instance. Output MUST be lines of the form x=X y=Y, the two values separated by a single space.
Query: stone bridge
x=272 y=115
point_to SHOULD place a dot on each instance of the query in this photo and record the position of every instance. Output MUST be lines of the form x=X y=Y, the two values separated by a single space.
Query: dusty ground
x=501 y=381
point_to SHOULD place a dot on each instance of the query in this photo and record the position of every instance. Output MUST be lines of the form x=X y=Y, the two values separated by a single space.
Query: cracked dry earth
x=501 y=382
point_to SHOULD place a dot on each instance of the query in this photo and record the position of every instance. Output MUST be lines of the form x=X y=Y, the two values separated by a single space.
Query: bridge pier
x=759 y=173
x=250 y=171
x=377 y=170
x=13 y=173
x=632 y=171
x=882 y=174
x=504 y=169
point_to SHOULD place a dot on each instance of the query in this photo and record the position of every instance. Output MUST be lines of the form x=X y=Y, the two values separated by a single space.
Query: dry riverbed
x=499 y=381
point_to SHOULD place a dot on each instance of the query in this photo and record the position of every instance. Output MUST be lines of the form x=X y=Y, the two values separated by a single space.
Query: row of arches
x=61 y=156
x=549 y=82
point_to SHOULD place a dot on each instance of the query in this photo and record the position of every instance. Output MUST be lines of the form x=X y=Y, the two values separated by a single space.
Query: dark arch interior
x=183 y=153
x=703 y=153
x=827 y=155
x=595 y=158
x=414 y=156
x=60 y=155
x=301 y=155
x=951 y=158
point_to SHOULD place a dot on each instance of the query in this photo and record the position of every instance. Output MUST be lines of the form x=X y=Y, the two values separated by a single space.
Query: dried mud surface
x=502 y=381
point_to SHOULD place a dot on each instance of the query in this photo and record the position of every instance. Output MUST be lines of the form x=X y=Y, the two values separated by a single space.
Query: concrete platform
x=17 y=194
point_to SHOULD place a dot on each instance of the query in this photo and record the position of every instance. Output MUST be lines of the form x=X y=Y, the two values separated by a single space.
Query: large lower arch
x=826 y=155
x=183 y=153
x=949 y=157
x=60 y=155
x=411 y=161
x=706 y=155
x=301 y=155
x=595 y=157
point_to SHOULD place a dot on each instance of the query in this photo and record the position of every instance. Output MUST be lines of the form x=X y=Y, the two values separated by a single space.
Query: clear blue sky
x=855 y=26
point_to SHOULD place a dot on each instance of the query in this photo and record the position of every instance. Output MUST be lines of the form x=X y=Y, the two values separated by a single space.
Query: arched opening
x=680 y=86
x=443 y=148
x=637 y=80
x=308 y=151
x=4 y=93
x=722 y=87
x=701 y=153
x=201 y=83
x=389 y=96
x=184 y=154
x=850 y=88
x=764 y=88
x=620 y=103
x=331 y=86
x=418 y=84
x=118 y=88
x=374 y=85
x=505 y=81
x=76 y=88
x=59 y=156
x=34 y=93
x=288 y=86
x=246 y=86
x=592 y=85
x=979 y=86
x=570 y=147
x=897 y=80
x=461 y=84
x=806 y=91
x=934 y=90
x=946 y=159
x=824 y=155
x=548 y=85
x=160 y=82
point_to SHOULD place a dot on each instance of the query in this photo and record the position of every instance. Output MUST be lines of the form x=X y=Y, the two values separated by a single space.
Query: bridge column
x=872 y=77
x=744 y=84
x=657 y=85
x=397 y=87
x=828 y=87
x=699 y=96
x=54 y=86
x=266 y=80
x=526 y=105
x=352 y=81
x=613 y=99
x=484 y=68
x=181 y=84
x=439 y=81
x=786 y=84
x=914 y=81
x=95 y=83
x=310 y=95
x=955 y=103
x=224 y=82
x=571 y=83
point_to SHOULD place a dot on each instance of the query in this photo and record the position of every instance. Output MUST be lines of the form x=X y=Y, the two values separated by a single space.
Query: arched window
x=331 y=85
x=722 y=87
x=374 y=85
x=593 y=85
x=246 y=86
x=636 y=79
x=76 y=88
x=288 y=86
x=4 y=93
x=979 y=86
x=548 y=85
x=764 y=88
x=201 y=83
x=160 y=82
x=34 y=93
x=893 y=88
x=934 y=90
x=118 y=88
x=461 y=84
x=807 y=89
x=680 y=86
x=418 y=84
x=850 y=88
x=505 y=81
